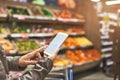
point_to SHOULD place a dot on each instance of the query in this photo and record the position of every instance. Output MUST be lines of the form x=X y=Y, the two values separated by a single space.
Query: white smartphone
x=55 y=43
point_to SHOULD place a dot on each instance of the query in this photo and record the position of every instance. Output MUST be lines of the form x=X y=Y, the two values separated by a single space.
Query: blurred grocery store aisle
x=96 y=76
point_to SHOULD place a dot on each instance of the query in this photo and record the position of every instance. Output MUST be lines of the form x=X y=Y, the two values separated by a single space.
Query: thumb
x=28 y=62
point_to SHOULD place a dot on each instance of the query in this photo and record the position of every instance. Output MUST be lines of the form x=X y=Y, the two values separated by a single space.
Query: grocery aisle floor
x=98 y=75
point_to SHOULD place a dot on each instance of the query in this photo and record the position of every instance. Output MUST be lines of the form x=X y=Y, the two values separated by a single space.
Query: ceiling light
x=95 y=0
x=112 y=2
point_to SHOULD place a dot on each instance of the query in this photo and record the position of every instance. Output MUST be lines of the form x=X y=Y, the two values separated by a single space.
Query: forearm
x=39 y=72
x=13 y=64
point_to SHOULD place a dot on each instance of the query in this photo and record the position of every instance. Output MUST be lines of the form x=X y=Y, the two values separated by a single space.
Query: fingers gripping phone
x=55 y=43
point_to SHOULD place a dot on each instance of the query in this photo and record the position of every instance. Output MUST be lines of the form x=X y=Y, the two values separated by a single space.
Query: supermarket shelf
x=80 y=66
x=32 y=35
x=41 y=19
x=62 y=49
x=108 y=55
x=76 y=34
x=17 y=35
x=3 y=17
x=86 y=65
x=62 y=68
x=78 y=47
x=33 y=19
x=105 y=37
x=109 y=63
x=4 y=35
x=107 y=49
x=107 y=43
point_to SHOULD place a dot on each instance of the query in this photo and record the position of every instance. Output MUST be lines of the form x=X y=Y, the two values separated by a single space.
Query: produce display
x=63 y=14
x=78 y=41
x=36 y=11
x=61 y=62
x=71 y=30
x=76 y=57
x=20 y=28
x=40 y=29
x=6 y=44
x=43 y=11
x=38 y=2
x=3 y=29
x=20 y=11
x=24 y=46
x=1 y=12
x=76 y=30
x=67 y=14
x=79 y=56
x=57 y=20
x=93 y=54
x=83 y=41
x=46 y=12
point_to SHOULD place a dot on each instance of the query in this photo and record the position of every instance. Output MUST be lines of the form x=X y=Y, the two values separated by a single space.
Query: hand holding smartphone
x=55 y=43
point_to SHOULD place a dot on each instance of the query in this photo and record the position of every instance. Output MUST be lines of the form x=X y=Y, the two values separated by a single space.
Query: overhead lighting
x=112 y=2
x=118 y=10
x=95 y=0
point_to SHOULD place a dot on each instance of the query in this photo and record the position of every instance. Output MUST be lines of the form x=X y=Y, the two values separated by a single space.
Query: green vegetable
x=46 y=12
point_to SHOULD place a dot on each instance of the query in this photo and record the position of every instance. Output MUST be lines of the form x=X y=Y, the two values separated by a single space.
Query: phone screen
x=55 y=43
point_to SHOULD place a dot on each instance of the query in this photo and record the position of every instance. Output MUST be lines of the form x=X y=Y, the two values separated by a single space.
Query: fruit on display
x=24 y=46
x=76 y=56
x=59 y=30
x=60 y=62
x=67 y=14
x=6 y=44
x=71 y=4
x=3 y=29
x=76 y=30
x=79 y=41
x=1 y=12
x=70 y=42
x=19 y=11
x=83 y=41
x=93 y=54
x=46 y=12
x=79 y=56
x=63 y=14
x=71 y=30
x=20 y=28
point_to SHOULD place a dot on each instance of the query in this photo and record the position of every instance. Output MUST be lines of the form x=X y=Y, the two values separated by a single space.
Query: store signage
x=25 y=35
x=21 y=17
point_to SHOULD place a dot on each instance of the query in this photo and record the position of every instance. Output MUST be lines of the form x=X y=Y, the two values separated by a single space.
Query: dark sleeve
x=2 y=71
x=39 y=71
x=13 y=64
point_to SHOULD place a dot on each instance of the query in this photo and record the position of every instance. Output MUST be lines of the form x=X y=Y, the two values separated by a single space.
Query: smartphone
x=55 y=43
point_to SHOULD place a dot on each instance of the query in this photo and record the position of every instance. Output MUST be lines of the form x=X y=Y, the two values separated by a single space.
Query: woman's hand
x=31 y=58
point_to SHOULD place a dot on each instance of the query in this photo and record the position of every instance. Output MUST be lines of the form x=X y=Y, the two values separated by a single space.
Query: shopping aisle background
x=93 y=75
x=96 y=76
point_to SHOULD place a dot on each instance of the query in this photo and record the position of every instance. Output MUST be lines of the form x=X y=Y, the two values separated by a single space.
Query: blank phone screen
x=55 y=43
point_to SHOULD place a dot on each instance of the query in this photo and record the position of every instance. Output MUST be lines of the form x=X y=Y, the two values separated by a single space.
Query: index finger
x=39 y=50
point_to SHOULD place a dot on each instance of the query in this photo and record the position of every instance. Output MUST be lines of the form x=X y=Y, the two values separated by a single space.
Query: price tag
x=21 y=17
x=25 y=35
x=65 y=20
